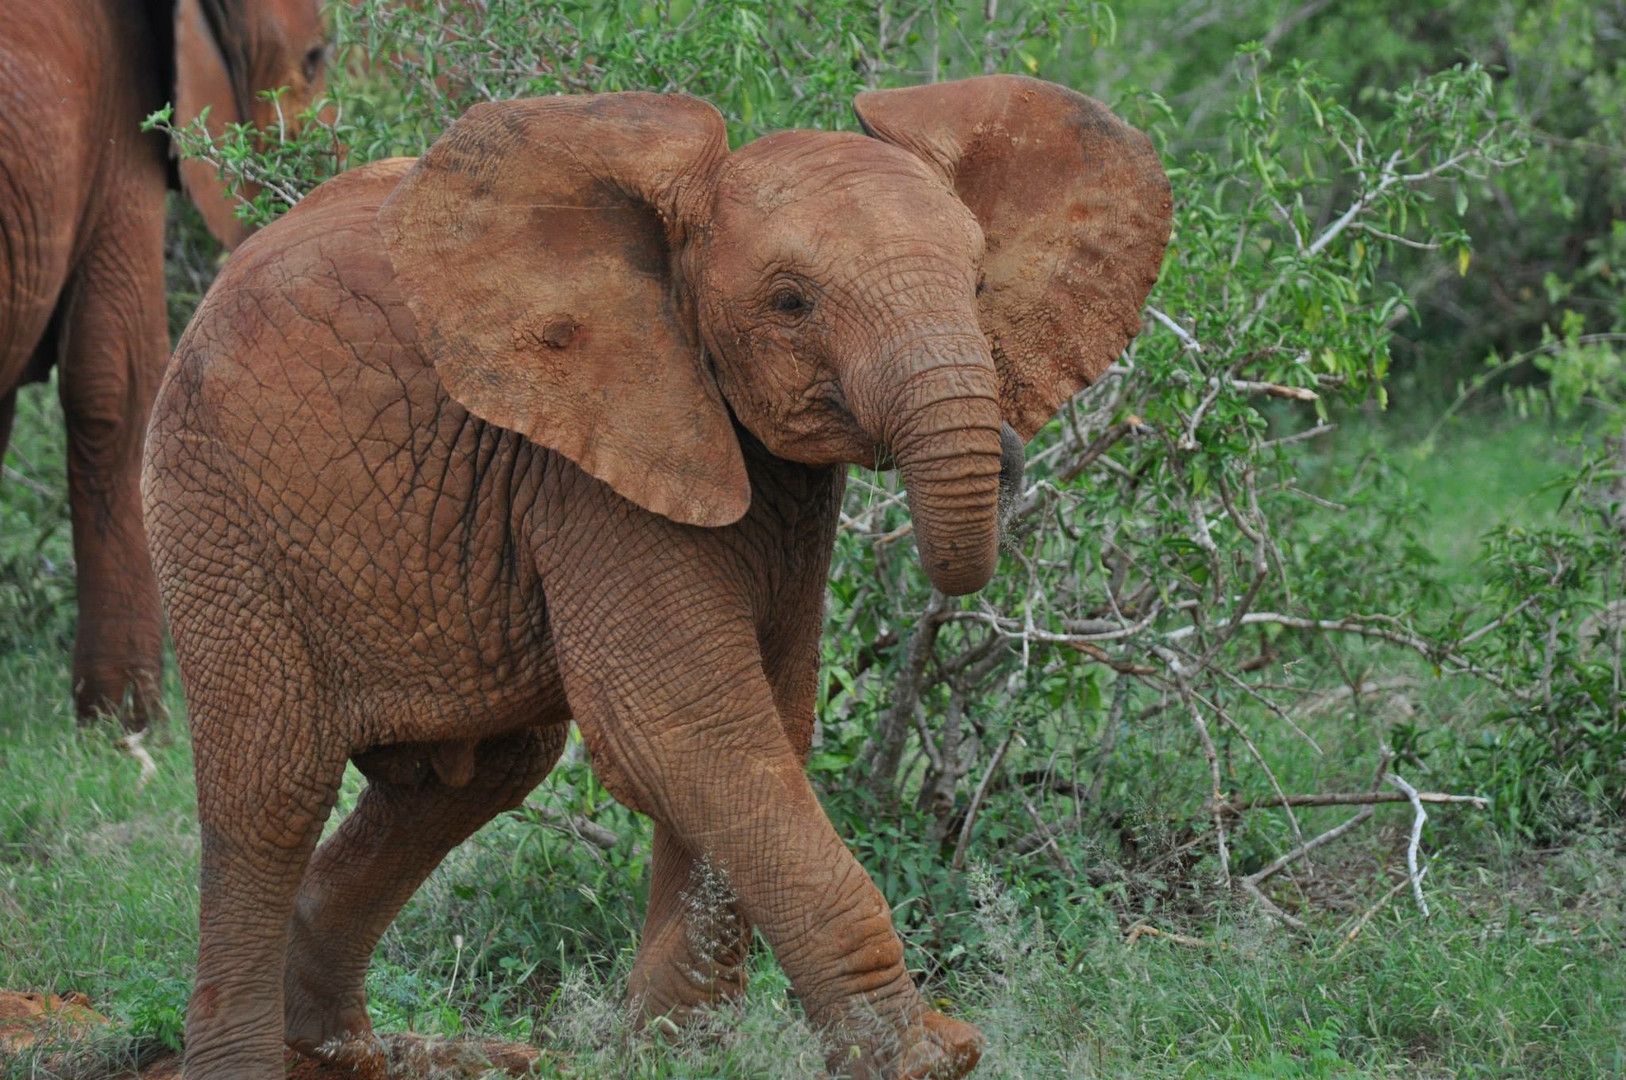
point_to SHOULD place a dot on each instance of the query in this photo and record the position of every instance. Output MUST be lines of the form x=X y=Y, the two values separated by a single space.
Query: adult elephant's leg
x=113 y=359
x=696 y=937
x=372 y=865
x=8 y=412
x=657 y=640
x=266 y=784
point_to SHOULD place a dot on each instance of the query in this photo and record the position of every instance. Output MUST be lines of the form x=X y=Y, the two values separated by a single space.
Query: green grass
x=526 y=934
x=1483 y=471
x=1519 y=973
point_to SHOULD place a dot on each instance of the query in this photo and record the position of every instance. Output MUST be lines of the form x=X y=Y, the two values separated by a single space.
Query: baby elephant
x=551 y=424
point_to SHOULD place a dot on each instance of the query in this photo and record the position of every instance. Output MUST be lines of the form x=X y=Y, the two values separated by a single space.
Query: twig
x=1299 y=436
x=1140 y=930
x=1351 y=625
x=958 y=862
x=1366 y=917
x=1179 y=331
x=1212 y=755
x=28 y=482
x=1250 y=884
x=131 y=744
x=1250 y=386
x=576 y=825
x=1349 y=798
x=1419 y=815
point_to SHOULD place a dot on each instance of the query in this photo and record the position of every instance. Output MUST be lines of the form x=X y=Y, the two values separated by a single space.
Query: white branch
x=1419 y=815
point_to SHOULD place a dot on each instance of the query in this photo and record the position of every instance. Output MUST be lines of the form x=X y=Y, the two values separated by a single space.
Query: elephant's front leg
x=658 y=647
x=113 y=359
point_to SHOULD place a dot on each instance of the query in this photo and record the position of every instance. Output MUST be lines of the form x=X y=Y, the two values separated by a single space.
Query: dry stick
x=1299 y=436
x=1366 y=917
x=1352 y=625
x=1250 y=884
x=884 y=753
x=1419 y=815
x=1363 y=687
x=1352 y=798
x=1140 y=929
x=576 y=825
x=1270 y=774
x=131 y=744
x=1212 y=755
x=1049 y=840
x=958 y=862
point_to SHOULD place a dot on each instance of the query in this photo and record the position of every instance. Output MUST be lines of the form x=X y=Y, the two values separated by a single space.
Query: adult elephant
x=82 y=258
x=553 y=424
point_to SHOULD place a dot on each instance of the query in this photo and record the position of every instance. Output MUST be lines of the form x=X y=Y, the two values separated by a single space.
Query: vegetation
x=1346 y=519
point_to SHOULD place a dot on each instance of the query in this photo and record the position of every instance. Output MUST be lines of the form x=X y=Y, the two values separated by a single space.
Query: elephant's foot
x=671 y=988
x=128 y=693
x=943 y=1049
x=675 y=1002
x=935 y=1047
x=692 y=961
x=331 y=1026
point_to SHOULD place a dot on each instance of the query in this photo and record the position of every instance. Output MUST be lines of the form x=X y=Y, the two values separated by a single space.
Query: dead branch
x=582 y=828
x=1419 y=816
x=1366 y=917
x=1212 y=755
x=958 y=862
x=1140 y=930
x=1250 y=884
x=1346 y=798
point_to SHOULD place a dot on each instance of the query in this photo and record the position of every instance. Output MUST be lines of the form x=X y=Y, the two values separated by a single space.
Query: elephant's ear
x=535 y=245
x=1075 y=210
x=211 y=71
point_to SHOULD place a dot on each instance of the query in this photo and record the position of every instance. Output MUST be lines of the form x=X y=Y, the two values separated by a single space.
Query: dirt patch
x=27 y=1018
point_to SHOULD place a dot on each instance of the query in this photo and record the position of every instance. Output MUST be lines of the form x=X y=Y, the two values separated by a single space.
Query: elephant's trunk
x=944 y=434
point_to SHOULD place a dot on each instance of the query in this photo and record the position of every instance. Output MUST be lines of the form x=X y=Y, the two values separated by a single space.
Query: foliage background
x=1349 y=506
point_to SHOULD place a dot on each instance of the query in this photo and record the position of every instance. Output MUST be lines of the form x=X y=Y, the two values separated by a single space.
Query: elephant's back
x=302 y=432
x=302 y=347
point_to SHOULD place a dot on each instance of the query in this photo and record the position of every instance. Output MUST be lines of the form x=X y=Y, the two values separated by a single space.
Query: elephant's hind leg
x=368 y=869
x=696 y=939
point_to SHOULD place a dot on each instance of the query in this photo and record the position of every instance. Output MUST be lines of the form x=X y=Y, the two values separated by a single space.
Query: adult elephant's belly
x=378 y=524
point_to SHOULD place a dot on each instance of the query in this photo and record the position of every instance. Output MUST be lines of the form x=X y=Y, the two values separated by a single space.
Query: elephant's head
x=226 y=53
x=603 y=276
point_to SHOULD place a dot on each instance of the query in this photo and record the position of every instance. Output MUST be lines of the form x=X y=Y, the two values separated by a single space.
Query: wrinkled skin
x=81 y=264
x=552 y=425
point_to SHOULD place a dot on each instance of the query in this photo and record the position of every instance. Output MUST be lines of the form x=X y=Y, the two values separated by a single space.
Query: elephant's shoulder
x=364 y=186
x=332 y=225
x=307 y=297
x=325 y=253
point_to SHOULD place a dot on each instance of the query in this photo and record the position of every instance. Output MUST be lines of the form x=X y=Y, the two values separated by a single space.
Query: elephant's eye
x=313 y=62
x=789 y=302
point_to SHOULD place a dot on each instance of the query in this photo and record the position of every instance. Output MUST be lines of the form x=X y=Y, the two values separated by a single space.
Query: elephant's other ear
x=212 y=71
x=1075 y=210
x=535 y=245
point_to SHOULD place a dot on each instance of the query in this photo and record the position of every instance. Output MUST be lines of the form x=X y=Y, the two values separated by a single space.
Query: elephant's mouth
x=1012 y=460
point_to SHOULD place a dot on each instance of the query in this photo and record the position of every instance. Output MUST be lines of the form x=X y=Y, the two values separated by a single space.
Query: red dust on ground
x=27 y=1018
